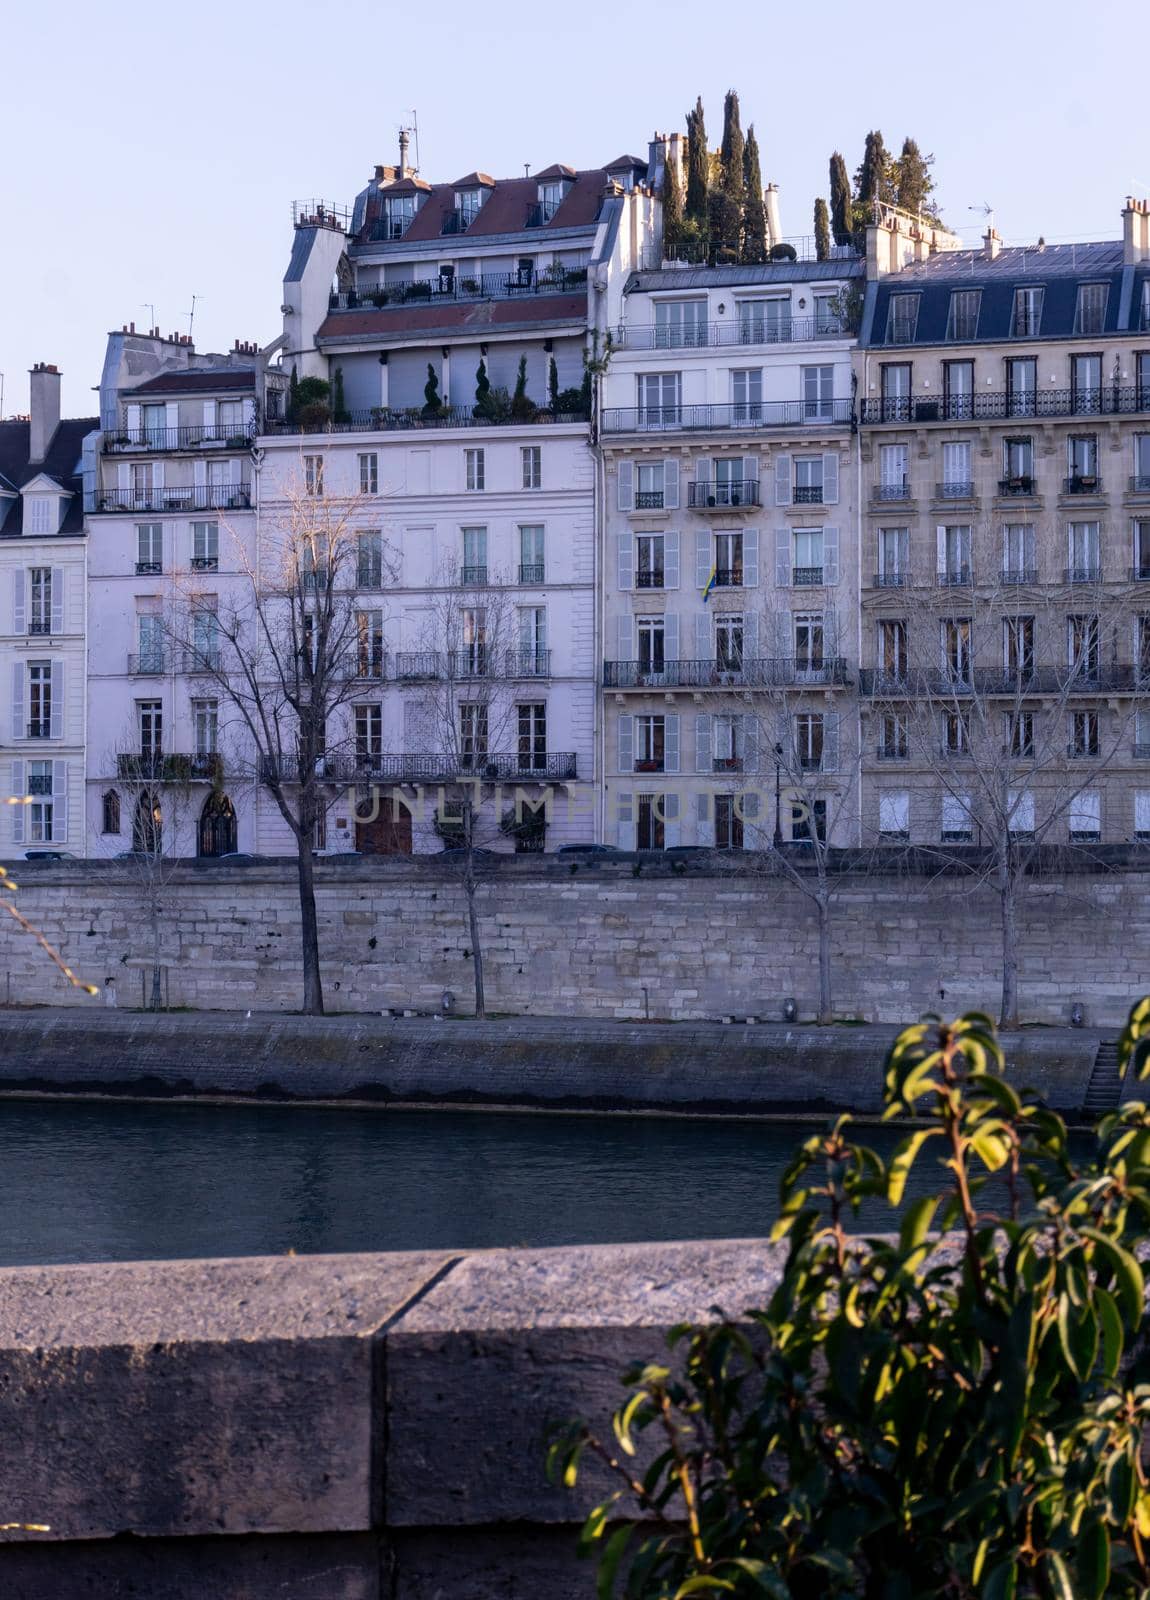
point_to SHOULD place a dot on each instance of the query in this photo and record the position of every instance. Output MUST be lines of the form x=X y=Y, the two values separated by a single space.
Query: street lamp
x=778 y=802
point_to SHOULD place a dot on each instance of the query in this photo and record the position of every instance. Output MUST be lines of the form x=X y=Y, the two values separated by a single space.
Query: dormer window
x=399 y=214
x=1145 y=304
x=467 y=204
x=902 y=319
x=551 y=198
x=1090 y=312
x=43 y=513
x=962 y=321
x=1027 y=313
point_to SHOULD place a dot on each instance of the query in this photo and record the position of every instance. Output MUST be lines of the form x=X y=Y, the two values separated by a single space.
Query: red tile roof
x=467 y=318
x=553 y=172
x=474 y=180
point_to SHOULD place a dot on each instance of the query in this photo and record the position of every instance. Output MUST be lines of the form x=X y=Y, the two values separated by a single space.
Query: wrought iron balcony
x=1082 y=750
x=39 y=728
x=892 y=752
x=704 y=495
x=890 y=580
x=955 y=489
x=650 y=578
x=527 y=663
x=1020 y=487
x=39 y=783
x=1140 y=484
x=1001 y=683
x=148 y=664
x=540 y=213
x=806 y=577
x=728 y=577
x=473 y=577
x=149 y=440
x=412 y=666
x=153 y=766
x=807 y=494
x=369 y=665
x=954 y=577
x=531 y=572
x=485 y=286
x=205 y=563
x=891 y=491
x=212 y=497
x=1089 y=574
x=431 y=767
x=759 y=672
x=735 y=331
x=150 y=569
x=1082 y=485
x=39 y=626
x=1016 y=576
x=1002 y=405
x=751 y=415
x=649 y=500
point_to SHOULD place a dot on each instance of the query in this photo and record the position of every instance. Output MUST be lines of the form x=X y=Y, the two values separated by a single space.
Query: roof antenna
x=192 y=316
x=152 y=309
x=985 y=210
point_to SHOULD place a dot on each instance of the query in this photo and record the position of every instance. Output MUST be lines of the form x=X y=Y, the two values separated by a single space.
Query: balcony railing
x=38 y=783
x=891 y=491
x=1020 y=487
x=956 y=489
x=1120 y=678
x=473 y=577
x=149 y=664
x=728 y=577
x=649 y=500
x=1087 y=750
x=702 y=495
x=806 y=577
x=652 y=578
x=149 y=569
x=122 y=440
x=807 y=494
x=39 y=728
x=527 y=663
x=369 y=665
x=531 y=572
x=751 y=414
x=1001 y=405
x=412 y=666
x=540 y=213
x=205 y=563
x=39 y=625
x=889 y=580
x=890 y=752
x=453 y=286
x=213 y=497
x=1082 y=485
x=386 y=419
x=1015 y=576
x=429 y=767
x=1088 y=574
x=152 y=766
x=1140 y=483
x=735 y=331
x=759 y=672
x=953 y=577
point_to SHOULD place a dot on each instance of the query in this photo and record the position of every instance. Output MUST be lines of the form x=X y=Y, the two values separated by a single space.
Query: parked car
x=48 y=855
x=588 y=850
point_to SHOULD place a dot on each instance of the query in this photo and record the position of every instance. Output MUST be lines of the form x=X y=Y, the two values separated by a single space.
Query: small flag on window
x=709 y=586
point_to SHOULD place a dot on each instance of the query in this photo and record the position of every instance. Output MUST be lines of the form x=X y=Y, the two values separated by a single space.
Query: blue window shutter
x=750 y=558
x=19 y=611
x=702 y=557
x=702 y=742
x=57 y=622
x=830 y=555
x=671 y=742
x=626 y=486
x=671 y=636
x=626 y=559
x=782 y=480
x=19 y=789
x=626 y=744
x=59 y=801
x=671 y=559
x=671 y=484
x=831 y=478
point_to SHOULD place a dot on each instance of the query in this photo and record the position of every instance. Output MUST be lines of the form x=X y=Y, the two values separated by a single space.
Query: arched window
x=217 y=826
x=111 y=811
x=148 y=825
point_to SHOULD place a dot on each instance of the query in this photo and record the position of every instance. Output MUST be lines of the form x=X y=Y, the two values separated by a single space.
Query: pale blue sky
x=152 y=153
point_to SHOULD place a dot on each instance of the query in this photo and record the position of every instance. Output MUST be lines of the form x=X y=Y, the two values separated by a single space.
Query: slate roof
x=62 y=463
x=469 y=317
x=225 y=378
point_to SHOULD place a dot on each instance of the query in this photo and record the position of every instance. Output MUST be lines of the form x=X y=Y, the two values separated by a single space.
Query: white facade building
x=42 y=613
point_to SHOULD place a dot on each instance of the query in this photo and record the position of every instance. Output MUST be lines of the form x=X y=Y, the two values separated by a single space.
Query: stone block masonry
x=678 y=941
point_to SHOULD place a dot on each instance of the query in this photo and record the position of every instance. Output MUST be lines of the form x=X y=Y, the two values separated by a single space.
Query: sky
x=150 y=154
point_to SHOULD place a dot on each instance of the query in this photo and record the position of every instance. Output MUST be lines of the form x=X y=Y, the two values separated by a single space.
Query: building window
x=313 y=475
x=1082 y=462
x=649 y=491
x=894 y=737
x=809 y=822
x=39 y=699
x=471 y=661
x=1085 y=561
x=650 y=743
x=1018 y=465
x=40 y=584
x=1083 y=734
x=1086 y=817
x=962 y=320
x=1018 y=646
x=472 y=732
x=1027 y=322
x=747 y=394
x=369 y=473
x=1020 y=734
x=892 y=649
x=1141 y=480
x=110 y=811
x=474 y=556
x=902 y=318
x=399 y=214
x=206 y=727
x=680 y=323
x=531 y=458
x=369 y=644
x=40 y=512
x=150 y=635
x=368 y=732
x=956 y=731
x=532 y=568
x=728 y=560
x=150 y=722
x=532 y=721
x=650 y=832
x=895 y=385
x=533 y=658
x=765 y=321
x=475 y=470
x=893 y=557
x=956 y=478
x=1020 y=813
x=40 y=811
x=149 y=547
x=808 y=487
x=954 y=554
x=1086 y=383
x=818 y=389
x=1018 y=553
x=369 y=559
x=649 y=560
x=956 y=819
x=729 y=643
x=205 y=637
x=1142 y=813
x=728 y=823
x=1141 y=568
x=650 y=636
x=809 y=731
x=205 y=546
x=956 y=648
x=1021 y=386
x=658 y=394
x=808 y=642
x=894 y=814
x=1090 y=311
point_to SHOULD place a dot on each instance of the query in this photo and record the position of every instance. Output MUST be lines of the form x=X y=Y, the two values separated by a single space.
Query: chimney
x=774 y=225
x=1135 y=232
x=991 y=243
x=403 y=168
x=44 y=388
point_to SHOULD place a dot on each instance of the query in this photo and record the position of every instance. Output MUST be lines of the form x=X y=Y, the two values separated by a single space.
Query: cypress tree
x=822 y=230
x=432 y=404
x=339 y=411
x=672 y=205
x=293 y=393
x=873 y=180
x=842 y=206
x=913 y=182
x=727 y=216
x=553 y=384
x=755 y=212
x=522 y=408
x=698 y=166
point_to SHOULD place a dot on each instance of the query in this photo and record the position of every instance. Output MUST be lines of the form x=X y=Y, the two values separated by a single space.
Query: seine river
x=85 y=1181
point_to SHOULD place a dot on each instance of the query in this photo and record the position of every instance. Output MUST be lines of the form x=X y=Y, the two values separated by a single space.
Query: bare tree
x=288 y=649
x=469 y=665
x=1011 y=702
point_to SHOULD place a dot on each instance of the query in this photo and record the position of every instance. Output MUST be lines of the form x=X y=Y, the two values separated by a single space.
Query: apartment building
x=730 y=579
x=171 y=538
x=42 y=617
x=423 y=307
x=1004 y=414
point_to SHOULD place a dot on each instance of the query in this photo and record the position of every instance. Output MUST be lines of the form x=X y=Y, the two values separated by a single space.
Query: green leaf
x=768 y=1580
x=999 y=1091
x=916 y=1223
x=704 y=1585
x=1112 y=1336
x=1003 y=1581
x=902 y=1161
x=1058 y=1576
x=1093 y=1561
x=1129 y=1284
x=609 y=1566
x=991 y=1145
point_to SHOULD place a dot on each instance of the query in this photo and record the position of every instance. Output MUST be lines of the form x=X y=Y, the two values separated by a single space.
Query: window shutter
x=702 y=636
x=782 y=480
x=671 y=485
x=940 y=539
x=782 y=558
x=671 y=742
x=249 y=413
x=671 y=559
x=626 y=821
x=671 y=636
x=830 y=555
x=671 y=829
x=831 y=478
x=751 y=636
x=157 y=474
x=59 y=801
x=200 y=473
x=56 y=721
x=209 y=419
x=704 y=820
x=702 y=557
x=750 y=475
x=19 y=789
x=702 y=742
x=1029 y=558
x=626 y=637
x=750 y=558
x=134 y=423
x=830 y=632
x=234 y=471
x=831 y=742
x=704 y=473
x=124 y=478
x=749 y=730
x=172 y=421
x=626 y=486
x=57 y=599
x=19 y=614
x=626 y=744
x=626 y=559
x=19 y=728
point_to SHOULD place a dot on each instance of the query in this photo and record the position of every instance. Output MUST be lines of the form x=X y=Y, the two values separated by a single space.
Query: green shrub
x=912 y=1417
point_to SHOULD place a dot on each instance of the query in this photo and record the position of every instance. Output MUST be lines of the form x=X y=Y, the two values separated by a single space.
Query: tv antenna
x=413 y=129
x=192 y=315
x=985 y=210
x=152 y=310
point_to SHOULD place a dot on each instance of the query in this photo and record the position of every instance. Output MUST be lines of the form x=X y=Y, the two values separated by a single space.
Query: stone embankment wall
x=351 y=1427
x=611 y=939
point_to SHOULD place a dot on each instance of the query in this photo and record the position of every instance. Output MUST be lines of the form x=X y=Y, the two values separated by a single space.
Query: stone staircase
x=1104 y=1090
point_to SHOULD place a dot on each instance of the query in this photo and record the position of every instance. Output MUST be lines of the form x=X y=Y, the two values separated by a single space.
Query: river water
x=92 y=1181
